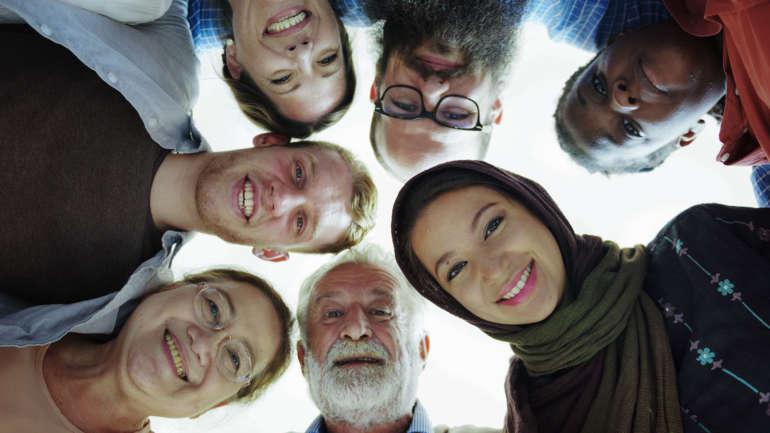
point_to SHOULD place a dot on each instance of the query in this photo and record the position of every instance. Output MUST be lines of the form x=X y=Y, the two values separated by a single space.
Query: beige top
x=25 y=403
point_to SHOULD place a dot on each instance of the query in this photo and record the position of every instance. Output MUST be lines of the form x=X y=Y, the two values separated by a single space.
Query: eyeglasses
x=214 y=311
x=453 y=111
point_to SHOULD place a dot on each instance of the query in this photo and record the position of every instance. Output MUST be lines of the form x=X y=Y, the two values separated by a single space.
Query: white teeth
x=286 y=23
x=175 y=356
x=246 y=198
x=519 y=285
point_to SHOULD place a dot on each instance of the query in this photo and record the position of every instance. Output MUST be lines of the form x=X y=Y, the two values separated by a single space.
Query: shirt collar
x=420 y=422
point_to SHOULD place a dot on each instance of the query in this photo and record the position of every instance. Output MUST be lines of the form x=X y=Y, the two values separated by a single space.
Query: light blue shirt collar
x=420 y=422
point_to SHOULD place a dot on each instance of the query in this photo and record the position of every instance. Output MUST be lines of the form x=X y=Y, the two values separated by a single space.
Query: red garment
x=745 y=27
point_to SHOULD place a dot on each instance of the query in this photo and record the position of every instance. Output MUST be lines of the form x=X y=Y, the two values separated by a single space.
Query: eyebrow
x=474 y=225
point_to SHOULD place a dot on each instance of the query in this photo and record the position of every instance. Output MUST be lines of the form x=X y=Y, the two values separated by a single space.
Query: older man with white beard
x=363 y=346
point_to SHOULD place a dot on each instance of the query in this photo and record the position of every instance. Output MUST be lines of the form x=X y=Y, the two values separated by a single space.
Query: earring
x=229 y=42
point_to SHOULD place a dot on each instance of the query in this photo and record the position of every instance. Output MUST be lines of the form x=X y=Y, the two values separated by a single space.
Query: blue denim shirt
x=152 y=65
x=420 y=422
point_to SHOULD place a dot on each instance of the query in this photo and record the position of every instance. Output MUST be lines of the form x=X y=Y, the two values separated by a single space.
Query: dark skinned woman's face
x=643 y=91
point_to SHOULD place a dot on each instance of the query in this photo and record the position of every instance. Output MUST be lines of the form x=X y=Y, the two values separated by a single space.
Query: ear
x=231 y=61
x=301 y=356
x=497 y=111
x=373 y=92
x=268 y=139
x=270 y=255
x=692 y=133
x=424 y=347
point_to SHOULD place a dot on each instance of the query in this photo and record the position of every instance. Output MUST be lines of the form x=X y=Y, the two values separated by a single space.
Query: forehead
x=355 y=282
x=256 y=320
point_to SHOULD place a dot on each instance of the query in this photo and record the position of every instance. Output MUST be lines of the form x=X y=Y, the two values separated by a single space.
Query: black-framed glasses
x=453 y=111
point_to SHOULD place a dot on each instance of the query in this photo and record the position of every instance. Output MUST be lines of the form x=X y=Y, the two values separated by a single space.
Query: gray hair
x=409 y=306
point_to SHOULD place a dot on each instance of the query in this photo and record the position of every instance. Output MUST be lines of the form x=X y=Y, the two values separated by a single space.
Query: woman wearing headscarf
x=606 y=339
x=208 y=340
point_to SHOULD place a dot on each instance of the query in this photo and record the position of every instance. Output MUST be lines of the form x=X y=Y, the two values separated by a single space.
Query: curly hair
x=261 y=111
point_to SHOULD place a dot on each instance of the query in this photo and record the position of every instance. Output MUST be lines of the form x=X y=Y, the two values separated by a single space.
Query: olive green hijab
x=601 y=362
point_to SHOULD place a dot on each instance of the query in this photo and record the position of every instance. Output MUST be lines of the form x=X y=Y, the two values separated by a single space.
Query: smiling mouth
x=175 y=355
x=516 y=289
x=358 y=360
x=246 y=199
x=651 y=78
x=287 y=23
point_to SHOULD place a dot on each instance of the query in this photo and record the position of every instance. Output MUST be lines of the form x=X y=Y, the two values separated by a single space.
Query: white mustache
x=347 y=349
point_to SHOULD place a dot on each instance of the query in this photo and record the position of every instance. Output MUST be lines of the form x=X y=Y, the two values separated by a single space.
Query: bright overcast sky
x=463 y=380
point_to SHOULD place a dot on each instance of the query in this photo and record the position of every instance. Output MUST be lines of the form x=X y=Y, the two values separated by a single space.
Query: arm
x=125 y=11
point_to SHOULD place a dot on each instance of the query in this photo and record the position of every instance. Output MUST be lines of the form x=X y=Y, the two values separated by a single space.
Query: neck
x=398 y=426
x=172 y=197
x=85 y=386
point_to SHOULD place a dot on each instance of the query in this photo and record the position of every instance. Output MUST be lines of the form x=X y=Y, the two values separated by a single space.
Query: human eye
x=455 y=114
x=598 y=84
x=299 y=223
x=299 y=174
x=234 y=358
x=406 y=106
x=630 y=129
x=492 y=225
x=381 y=312
x=333 y=314
x=281 y=80
x=455 y=270
x=327 y=60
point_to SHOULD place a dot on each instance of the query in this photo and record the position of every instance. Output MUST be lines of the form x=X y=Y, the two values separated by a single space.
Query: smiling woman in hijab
x=606 y=339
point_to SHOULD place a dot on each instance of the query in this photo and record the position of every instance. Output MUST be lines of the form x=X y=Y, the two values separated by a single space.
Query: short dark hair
x=258 y=107
x=567 y=140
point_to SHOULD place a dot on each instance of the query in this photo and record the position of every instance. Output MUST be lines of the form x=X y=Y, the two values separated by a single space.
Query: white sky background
x=463 y=380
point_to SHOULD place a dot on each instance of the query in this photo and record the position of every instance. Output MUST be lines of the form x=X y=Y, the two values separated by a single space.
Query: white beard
x=364 y=396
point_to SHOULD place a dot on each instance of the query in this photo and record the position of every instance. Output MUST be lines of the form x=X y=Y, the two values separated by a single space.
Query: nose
x=624 y=97
x=356 y=326
x=493 y=270
x=283 y=199
x=432 y=89
x=299 y=46
x=202 y=344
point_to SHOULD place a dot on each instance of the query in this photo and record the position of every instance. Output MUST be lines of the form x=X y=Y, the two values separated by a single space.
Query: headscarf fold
x=601 y=362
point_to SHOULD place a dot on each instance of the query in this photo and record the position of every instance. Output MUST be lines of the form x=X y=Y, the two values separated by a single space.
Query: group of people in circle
x=105 y=177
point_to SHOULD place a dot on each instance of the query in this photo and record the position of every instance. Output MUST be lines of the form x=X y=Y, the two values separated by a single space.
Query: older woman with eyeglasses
x=199 y=343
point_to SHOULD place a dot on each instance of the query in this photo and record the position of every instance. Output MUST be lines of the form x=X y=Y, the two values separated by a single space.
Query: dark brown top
x=76 y=168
